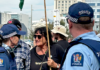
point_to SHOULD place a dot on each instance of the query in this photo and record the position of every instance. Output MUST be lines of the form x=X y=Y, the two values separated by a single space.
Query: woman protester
x=39 y=54
x=9 y=37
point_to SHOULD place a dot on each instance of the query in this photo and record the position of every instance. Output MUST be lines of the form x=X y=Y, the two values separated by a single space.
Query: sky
x=37 y=5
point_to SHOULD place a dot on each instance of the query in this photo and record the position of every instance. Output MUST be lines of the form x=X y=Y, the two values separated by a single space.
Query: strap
x=92 y=44
x=64 y=56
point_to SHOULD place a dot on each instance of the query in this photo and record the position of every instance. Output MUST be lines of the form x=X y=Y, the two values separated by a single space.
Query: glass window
x=94 y=10
x=98 y=10
x=65 y=7
x=59 y=1
x=97 y=26
x=96 y=21
x=98 y=16
x=91 y=4
x=66 y=1
x=98 y=4
x=62 y=10
x=62 y=7
x=62 y=4
x=62 y=1
x=58 y=7
x=69 y=1
x=66 y=4
x=94 y=16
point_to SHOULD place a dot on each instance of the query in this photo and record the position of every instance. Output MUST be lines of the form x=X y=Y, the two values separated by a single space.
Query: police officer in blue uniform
x=81 y=22
x=9 y=37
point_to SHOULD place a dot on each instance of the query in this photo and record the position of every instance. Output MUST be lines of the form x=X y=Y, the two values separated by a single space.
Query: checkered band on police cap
x=78 y=10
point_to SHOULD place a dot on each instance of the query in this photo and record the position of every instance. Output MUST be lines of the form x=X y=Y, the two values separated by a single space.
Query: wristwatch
x=57 y=65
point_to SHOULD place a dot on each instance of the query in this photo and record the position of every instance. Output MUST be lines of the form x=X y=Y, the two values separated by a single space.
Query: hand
x=51 y=63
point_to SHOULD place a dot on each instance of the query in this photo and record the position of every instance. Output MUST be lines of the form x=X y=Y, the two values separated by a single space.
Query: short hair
x=85 y=26
x=43 y=31
x=61 y=36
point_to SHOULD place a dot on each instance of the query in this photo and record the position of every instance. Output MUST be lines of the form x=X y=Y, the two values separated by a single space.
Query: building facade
x=63 y=5
x=95 y=4
x=4 y=17
x=23 y=18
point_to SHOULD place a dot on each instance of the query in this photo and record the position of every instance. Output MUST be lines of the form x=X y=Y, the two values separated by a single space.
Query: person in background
x=9 y=37
x=60 y=35
x=80 y=56
x=39 y=54
x=22 y=50
x=70 y=39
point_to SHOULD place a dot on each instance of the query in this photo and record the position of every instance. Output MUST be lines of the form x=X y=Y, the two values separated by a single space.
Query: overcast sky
x=38 y=7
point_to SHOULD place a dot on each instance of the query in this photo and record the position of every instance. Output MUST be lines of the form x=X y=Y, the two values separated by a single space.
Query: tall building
x=63 y=5
x=95 y=4
x=4 y=17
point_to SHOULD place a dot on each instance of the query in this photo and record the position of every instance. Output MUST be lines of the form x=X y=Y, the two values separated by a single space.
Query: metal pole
x=31 y=17
x=56 y=4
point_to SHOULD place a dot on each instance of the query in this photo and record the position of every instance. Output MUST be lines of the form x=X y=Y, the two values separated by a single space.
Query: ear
x=70 y=24
x=11 y=37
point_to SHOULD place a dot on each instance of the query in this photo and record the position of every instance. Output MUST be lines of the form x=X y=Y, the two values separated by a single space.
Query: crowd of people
x=81 y=53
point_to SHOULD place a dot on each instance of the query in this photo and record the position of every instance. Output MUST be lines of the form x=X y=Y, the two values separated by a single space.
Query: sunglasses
x=39 y=36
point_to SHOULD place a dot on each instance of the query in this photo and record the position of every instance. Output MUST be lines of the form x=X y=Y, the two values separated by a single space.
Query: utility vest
x=92 y=44
x=11 y=60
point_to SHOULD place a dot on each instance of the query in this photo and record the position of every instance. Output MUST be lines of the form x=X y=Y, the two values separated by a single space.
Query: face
x=39 y=39
x=14 y=41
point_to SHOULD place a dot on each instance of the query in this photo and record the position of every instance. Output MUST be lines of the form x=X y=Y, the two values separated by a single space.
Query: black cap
x=15 y=22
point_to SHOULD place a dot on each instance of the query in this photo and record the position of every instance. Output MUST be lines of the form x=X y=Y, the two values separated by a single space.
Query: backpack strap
x=92 y=44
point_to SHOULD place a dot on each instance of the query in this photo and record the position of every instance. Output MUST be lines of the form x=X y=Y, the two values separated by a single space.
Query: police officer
x=80 y=20
x=9 y=38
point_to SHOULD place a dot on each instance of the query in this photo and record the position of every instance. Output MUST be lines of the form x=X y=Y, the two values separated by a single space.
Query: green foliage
x=62 y=22
x=67 y=32
x=31 y=34
x=50 y=26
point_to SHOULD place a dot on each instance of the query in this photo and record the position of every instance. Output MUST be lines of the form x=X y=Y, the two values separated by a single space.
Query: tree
x=50 y=26
x=69 y=34
x=62 y=22
x=31 y=36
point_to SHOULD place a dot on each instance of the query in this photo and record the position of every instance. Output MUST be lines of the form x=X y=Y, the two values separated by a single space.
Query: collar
x=88 y=35
x=7 y=47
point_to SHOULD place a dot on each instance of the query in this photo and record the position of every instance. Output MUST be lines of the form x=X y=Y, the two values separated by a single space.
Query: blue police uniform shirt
x=81 y=57
x=6 y=60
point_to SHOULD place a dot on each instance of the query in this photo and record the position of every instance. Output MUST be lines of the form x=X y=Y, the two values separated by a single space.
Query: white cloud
x=38 y=7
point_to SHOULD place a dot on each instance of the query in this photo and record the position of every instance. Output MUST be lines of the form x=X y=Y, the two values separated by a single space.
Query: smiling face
x=40 y=39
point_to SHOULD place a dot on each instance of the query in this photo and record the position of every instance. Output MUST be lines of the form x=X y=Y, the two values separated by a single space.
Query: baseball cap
x=15 y=22
x=78 y=10
x=60 y=29
x=9 y=30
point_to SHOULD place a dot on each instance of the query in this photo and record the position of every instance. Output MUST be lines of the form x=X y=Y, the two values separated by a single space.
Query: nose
x=36 y=38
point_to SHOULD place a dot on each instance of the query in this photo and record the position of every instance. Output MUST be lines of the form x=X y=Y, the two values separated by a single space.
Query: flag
x=21 y=4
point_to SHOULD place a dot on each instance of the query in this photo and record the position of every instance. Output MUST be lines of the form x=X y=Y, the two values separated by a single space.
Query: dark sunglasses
x=39 y=36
